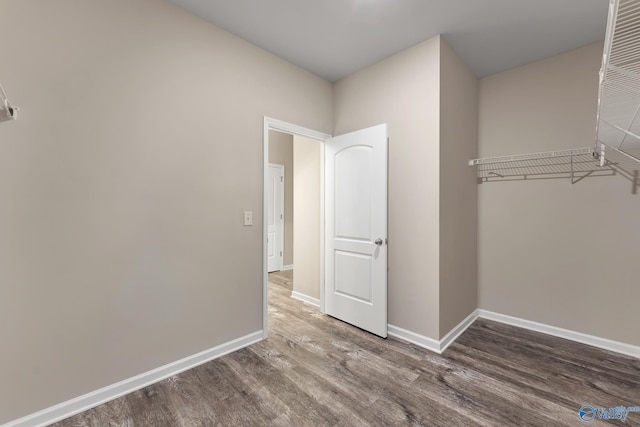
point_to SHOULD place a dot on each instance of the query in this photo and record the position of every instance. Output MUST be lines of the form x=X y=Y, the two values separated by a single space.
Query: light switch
x=248 y=218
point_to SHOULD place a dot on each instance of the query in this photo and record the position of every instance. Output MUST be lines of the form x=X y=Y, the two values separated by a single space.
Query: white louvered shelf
x=618 y=119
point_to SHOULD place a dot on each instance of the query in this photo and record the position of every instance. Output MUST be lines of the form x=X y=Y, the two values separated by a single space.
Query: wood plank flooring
x=317 y=371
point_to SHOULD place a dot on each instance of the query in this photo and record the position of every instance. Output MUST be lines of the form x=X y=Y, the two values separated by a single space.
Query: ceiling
x=334 y=38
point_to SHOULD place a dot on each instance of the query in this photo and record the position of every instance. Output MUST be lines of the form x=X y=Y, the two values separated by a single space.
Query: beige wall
x=549 y=251
x=403 y=91
x=458 y=190
x=122 y=187
x=115 y=197
x=281 y=153
x=306 y=223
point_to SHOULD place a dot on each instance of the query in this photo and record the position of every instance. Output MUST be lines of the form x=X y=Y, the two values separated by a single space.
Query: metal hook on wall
x=10 y=110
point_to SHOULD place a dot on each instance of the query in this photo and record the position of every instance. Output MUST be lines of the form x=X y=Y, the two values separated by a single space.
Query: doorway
x=356 y=207
x=302 y=136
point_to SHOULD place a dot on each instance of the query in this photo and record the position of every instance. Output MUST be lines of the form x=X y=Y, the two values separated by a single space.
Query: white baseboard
x=430 y=343
x=412 y=337
x=305 y=298
x=90 y=400
x=287 y=267
x=440 y=346
x=454 y=333
x=606 y=344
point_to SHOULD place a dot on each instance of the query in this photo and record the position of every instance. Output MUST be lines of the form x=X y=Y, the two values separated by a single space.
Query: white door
x=275 y=218
x=356 y=228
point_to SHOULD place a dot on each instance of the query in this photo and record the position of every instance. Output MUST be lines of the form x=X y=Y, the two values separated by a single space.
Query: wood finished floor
x=316 y=371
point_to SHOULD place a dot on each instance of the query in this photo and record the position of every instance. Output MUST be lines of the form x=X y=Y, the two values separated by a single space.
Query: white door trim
x=279 y=125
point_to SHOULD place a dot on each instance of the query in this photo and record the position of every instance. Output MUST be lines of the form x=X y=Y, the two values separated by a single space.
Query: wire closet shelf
x=617 y=142
x=575 y=164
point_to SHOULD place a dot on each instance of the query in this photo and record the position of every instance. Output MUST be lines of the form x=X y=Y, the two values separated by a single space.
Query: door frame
x=282 y=126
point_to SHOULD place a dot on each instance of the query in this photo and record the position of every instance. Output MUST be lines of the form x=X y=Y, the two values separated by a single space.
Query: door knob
x=378 y=242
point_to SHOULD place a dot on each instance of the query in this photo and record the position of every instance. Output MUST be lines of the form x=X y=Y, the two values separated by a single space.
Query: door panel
x=270 y=244
x=353 y=275
x=356 y=228
x=353 y=195
x=275 y=218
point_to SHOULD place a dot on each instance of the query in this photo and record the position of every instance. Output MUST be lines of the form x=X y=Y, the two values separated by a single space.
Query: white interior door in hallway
x=275 y=218
x=356 y=228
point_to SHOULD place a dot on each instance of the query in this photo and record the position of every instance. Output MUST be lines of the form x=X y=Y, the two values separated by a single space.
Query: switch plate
x=248 y=218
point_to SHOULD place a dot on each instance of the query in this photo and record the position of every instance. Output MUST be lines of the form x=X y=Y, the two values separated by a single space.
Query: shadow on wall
x=4 y=117
x=625 y=167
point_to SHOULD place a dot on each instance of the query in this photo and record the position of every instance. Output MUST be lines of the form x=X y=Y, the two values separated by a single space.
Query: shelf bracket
x=10 y=110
